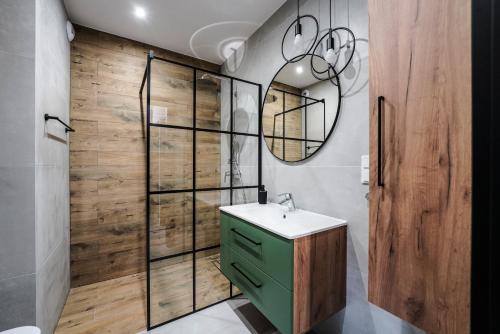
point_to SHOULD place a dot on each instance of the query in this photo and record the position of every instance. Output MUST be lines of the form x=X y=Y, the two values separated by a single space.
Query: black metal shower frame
x=146 y=82
x=286 y=111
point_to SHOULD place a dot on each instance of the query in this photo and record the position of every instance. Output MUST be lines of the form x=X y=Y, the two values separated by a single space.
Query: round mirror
x=301 y=108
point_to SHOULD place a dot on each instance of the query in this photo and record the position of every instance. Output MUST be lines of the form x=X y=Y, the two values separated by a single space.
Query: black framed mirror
x=301 y=108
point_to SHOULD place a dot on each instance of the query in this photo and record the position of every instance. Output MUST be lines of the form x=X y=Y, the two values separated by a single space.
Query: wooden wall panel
x=420 y=220
x=171 y=224
x=107 y=152
x=293 y=121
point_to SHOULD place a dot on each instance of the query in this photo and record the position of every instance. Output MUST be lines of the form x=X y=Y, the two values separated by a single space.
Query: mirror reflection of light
x=299 y=69
x=140 y=12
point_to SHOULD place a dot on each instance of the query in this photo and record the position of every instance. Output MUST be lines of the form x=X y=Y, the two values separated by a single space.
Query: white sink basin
x=276 y=219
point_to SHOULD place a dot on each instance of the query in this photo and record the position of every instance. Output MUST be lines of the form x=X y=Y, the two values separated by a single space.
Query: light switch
x=365 y=169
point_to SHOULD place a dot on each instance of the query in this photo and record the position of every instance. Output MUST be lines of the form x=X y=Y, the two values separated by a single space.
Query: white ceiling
x=204 y=29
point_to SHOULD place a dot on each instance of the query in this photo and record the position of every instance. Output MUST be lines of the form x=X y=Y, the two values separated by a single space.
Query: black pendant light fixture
x=334 y=45
x=329 y=55
x=298 y=41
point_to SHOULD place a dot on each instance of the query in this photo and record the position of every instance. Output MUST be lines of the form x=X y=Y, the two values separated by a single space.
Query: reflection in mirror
x=300 y=109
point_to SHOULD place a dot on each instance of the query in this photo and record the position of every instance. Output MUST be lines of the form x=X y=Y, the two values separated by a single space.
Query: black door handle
x=380 y=167
x=256 y=243
x=255 y=284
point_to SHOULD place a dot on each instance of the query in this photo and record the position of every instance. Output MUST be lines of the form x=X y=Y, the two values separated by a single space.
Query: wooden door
x=420 y=219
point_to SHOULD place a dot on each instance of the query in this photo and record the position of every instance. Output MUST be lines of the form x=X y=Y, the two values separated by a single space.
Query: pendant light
x=298 y=41
x=330 y=42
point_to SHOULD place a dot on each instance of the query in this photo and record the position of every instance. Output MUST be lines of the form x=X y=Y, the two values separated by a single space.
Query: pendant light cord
x=330 y=30
x=298 y=15
x=330 y=14
x=348 y=25
x=348 y=15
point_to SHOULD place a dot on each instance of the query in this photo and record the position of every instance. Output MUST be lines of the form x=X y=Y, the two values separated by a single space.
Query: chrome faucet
x=287 y=201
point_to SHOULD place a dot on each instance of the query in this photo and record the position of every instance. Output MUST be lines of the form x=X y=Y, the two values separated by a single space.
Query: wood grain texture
x=118 y=306
x=293 y=121
x=107 y=152
x=319 y=283
x=420 y=221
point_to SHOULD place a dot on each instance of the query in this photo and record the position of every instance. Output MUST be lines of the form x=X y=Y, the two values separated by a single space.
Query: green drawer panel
x=267 y=251
x=273 y=300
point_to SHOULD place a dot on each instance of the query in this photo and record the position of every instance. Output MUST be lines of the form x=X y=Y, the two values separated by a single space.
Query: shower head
x=210 y=77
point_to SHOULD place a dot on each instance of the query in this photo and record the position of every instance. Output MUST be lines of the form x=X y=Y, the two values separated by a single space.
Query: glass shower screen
x=203 y=151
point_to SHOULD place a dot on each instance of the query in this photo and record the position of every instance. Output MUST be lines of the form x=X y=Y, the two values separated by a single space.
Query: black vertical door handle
x=380 y=168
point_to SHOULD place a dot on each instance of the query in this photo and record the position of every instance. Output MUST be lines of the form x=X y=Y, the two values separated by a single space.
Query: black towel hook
x=68 y=128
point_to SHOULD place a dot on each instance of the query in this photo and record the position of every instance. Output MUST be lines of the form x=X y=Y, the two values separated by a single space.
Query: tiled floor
x=236 y=316
x=118 y=306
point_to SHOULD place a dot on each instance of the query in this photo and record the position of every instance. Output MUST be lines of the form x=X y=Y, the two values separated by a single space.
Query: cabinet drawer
x=268 y=252
x=273 y=300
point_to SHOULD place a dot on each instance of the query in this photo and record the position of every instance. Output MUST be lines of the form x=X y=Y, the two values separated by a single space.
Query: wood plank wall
x=107 y=152
x=293 y=122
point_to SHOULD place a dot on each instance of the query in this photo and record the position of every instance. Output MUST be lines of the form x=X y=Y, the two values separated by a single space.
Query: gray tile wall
x=34 y=163
x=51 y=163
x=17 y=157
x=329 y=182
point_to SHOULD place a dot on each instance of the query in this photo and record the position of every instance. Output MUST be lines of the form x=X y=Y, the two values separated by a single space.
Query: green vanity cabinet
x=269 y=252
x=271 y=298
x=284 y=278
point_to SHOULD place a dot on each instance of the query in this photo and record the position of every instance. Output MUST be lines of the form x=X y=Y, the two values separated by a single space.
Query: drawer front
x=273 y=300
x=268 y=252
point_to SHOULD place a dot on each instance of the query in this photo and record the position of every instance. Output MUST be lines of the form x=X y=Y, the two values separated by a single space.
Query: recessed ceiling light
x=140 y=12
x=299 y=69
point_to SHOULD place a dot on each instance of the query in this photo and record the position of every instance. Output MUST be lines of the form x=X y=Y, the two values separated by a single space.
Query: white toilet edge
x=22 y=330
